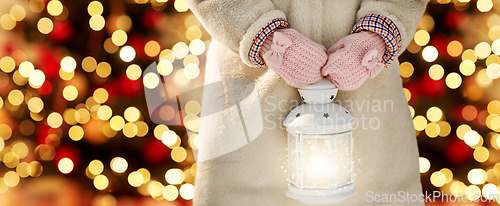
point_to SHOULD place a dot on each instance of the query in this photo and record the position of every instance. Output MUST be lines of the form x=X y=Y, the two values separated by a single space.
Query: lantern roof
x=319 y=119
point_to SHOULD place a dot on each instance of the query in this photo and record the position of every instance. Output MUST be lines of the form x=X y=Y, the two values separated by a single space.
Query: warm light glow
x=132 y=114
x=117 y=123
x=484 y=5
x=45 y=25
x=103 y=69
x=151 y=80
x=134 y=72
x=25 y=68
x=430 y=53
x=470 y=55
x=70 y=93
x=101 y=182
x=493 y=71
x=472 y=138
x=432 y=130
x=101 y=95
x=483 y=50
x=476 y=176
x=434 y=114
x=193 y=32
x=68 y=64
x=37 y=78
x=448 y=174
x=152 y=48
x=178 y=154
x=453 y=80
x=7 y=22
x=127 y=54
x=95 y=8
x=174 y=176
x=164 y=67
x=454 y=48
x=76 y=133
x=18 y=12
x=461 y=130
x=180 y=50
x=104 y=112
x=420 y=122
x=406 y=69
x=119 y=164
x=170 y=192
x=495 y=47
x=135 y=179
x=54 y=120
x=7 y=64
x=436 y=72
x=481 y=154
x=494 y=107
x=65 y=165
x=97 y=22
x=197 y=47
x=425 y=165
x=11 y=179
x=96 y=167
x=119 y=37
x=467 y=67
x=180 y=5
x=438 y=179
x=187 y=191
x=490 y=191
x=191 y=71
x=55 y=7
x=422 y=37
x=473 y=192
x=145 y=174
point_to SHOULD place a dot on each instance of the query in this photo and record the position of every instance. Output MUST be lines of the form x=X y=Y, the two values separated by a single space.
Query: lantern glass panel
x=317 y=161
x=292 y=158
x=342 y=157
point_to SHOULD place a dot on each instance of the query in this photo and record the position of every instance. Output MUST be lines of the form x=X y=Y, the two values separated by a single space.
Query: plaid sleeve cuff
x=386 y=28
x=261 y=36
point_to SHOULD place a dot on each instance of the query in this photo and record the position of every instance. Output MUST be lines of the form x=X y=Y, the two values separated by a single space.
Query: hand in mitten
x=295 y=57
x=354 y=58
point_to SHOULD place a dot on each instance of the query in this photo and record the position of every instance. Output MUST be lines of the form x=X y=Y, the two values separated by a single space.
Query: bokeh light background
x=74 y=125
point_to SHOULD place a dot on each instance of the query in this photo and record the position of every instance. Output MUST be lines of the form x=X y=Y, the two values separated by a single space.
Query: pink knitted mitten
x=295 y=57
x=354 y=58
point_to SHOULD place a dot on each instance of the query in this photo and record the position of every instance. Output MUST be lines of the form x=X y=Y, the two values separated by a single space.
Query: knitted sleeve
x=395 y=20
x=234 y=23
x=260 y=37
x=385 y=28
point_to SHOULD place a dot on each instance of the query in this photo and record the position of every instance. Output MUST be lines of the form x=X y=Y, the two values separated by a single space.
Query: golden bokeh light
x=422 y=37
x=494 y=107
x=65 y=165
x=420 y=122
x=117 y=123
x=193 y=107
x=454 y=48
x=472 y=192
x=432 y=130
x=461 y=130
x=109 y=46
x=180 y=50
x=101 y=182
x=127 y=54
x=438 y=179
x=490 y=191
x=482 y=78
x=151 y=80
x=424 y=163
x=170 y=192
x=448 y=174
x=484 y=5
x=54 y=120
x=97 y=22
x=167 y=54
x=472 y=138
x=123 y=22
x=11 y=179
x=96 y=167
x=135 y=179
x=193 y=32
x=5 y=131
x=174 y=176
x=146 y=175
x=152 y=48
x=197 y=47
x=76 y=133
x=23 y=169
x=119 y=164
x=191 y=71
x=45 y=25
x=476 y=176
x=181 y=5
x=430 y=53
x=469 y=113
x=68 y=64
x=7 y=22
x=103 y=69
x=35 y=104
x=101 y=95
x=18 y=12
x=469 y=54
x=187 y=191
x=434 y=114
x=453 y=80
x=7 y=64
x=119 y=37
x=493 y=71
x=95 y=8
x=36 y=78
x=481 y=154
x=66 y=76
x=406 y=69
x=132 y=114
x=130 y=130
x=436 y=72
x=164 y=67
x=104 y=112
x=444 y=129
x=495 y=47
x=467 y=67
x=134 y=72
x=70 y=93
x=482 y=50
x=55 y=7
x=180 y=78
x=169 y=138
x=178 y=154
x=25 y=68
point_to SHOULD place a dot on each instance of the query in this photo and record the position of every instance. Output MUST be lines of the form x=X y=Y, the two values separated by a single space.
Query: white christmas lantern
x=320 y=143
